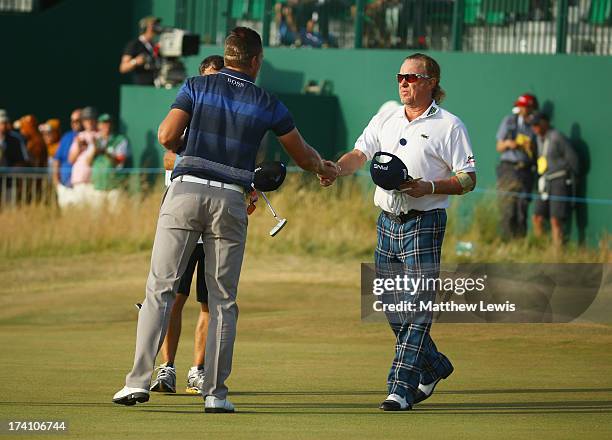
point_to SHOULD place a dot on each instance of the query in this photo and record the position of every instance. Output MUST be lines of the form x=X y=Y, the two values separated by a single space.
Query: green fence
x=490 y=26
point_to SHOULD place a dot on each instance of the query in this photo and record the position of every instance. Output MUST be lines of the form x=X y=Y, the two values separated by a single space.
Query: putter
x=281 y=221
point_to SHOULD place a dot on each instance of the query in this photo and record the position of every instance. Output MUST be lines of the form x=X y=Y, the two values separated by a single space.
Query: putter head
x=280 y=225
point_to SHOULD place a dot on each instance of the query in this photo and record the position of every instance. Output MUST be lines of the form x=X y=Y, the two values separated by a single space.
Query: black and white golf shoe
x=129 y=396
x=393 y=402
x=424 y=392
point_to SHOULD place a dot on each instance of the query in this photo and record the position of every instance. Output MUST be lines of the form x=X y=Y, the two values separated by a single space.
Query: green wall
x=64 y=57
x=481 y=89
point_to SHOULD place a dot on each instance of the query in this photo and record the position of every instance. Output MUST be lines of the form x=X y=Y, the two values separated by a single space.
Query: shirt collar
x=236 y=74
x=146 y=43
x=431 y=110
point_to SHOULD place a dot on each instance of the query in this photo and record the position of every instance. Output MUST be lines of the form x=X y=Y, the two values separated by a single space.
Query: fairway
x=304 y=366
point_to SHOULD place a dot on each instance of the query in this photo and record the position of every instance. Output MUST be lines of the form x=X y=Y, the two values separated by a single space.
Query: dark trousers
x=514 y=183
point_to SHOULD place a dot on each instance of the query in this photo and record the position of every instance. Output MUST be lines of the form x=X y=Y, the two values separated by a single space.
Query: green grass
x=304 y=366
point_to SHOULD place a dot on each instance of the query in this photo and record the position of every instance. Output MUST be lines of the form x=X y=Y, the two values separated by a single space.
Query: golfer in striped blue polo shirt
x=226 y=116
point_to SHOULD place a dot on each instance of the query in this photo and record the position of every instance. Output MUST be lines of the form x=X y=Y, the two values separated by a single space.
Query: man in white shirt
x=435 y=147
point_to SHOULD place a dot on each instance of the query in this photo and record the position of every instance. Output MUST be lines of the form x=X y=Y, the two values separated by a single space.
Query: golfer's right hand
x=328 y=169
x=328 y=174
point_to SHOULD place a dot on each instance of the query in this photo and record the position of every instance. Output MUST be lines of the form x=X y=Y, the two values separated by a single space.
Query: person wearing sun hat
x=516 y=144
x=50 y=131
x=111 y=154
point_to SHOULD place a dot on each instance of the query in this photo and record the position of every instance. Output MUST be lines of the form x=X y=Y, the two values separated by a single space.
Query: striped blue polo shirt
x=229 y=117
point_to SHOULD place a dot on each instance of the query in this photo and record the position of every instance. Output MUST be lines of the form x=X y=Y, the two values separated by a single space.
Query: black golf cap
x=269 y=176
x=388 y=171
x=538 y=117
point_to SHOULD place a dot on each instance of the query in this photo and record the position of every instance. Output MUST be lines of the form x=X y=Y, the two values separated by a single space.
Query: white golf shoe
x=129 y=396
x=215 y=405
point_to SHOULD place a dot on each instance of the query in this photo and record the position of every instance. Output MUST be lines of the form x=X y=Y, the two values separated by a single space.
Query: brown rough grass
x=337 y=221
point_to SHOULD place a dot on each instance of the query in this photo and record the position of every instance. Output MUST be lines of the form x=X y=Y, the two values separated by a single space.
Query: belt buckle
x=394 y=217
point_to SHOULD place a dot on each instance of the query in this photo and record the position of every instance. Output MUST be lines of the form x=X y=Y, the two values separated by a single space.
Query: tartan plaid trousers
x=412 y=248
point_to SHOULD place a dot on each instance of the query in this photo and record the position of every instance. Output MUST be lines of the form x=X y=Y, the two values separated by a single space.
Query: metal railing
x=538 y=26
x=24 y=186
x=20 y=186
x=495 y=26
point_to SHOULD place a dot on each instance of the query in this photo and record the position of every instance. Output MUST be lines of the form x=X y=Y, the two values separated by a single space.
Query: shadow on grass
x=293 y=393
x=321 y=408
x=475 y=408
x=529 y=391
x=380 y=392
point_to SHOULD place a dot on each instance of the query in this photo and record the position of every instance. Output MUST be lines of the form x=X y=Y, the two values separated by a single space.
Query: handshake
x=327 y=172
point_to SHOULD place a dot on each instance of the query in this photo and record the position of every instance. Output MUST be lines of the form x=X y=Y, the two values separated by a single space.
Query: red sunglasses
x=411 y=77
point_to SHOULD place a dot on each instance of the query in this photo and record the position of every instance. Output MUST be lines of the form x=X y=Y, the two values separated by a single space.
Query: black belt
x=404 y=217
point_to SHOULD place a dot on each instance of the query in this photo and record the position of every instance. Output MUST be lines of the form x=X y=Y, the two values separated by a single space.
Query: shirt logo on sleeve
x=424 y=136
x=470 y=160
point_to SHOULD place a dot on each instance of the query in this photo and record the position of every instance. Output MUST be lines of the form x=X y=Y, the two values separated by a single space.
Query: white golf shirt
x=433 y=147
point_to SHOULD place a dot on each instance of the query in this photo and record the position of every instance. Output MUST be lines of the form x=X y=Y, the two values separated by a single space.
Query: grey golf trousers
x=219 y=215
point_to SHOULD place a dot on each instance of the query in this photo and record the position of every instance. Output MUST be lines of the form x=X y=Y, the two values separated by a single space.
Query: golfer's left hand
x=416 y=188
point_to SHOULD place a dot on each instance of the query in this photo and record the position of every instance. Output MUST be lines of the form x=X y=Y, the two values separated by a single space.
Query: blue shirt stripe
x=229 y=118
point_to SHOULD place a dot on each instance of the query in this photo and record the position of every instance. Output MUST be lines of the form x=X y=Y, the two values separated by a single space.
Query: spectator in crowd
x=12 y=149
x=296 y=19
x=297 y=22
x=12 y=153
x=37 y=150
x=287 y=26
x=83 y=148
x=376 y=31
x=111 y=154
x=310 y=37
x=50 y=131
x=62 y=167
x=139 y=56
x=557 y=167
x=515 y=174
x=37 y=155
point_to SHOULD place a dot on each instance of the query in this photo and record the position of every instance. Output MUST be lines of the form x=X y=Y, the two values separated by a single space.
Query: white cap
x=4 y=116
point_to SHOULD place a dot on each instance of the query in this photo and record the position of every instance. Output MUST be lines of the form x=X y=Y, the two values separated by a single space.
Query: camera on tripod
x=173 y=44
